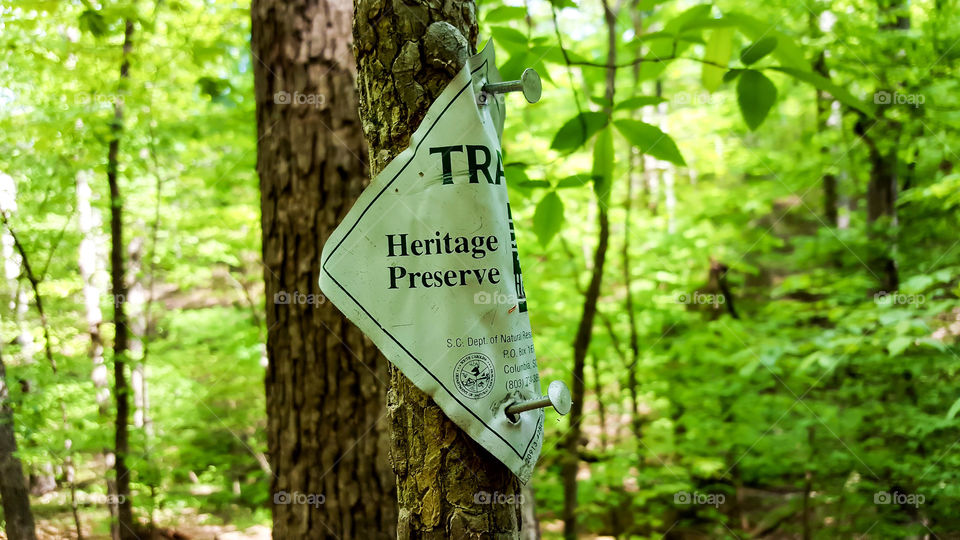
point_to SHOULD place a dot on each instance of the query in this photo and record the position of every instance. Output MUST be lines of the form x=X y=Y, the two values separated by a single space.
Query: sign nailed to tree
x=425 y=263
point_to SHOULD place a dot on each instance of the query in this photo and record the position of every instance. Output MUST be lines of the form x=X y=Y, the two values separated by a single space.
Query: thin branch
x=35 y=285
x=642 y=59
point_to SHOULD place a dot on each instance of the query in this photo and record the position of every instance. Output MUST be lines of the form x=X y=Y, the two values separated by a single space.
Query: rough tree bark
x=407 y=52
x=13 y=487
x=119 y=287
x=325 y=383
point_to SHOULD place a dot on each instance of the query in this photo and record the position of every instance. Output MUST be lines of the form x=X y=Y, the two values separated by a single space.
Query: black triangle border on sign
x=395 y=340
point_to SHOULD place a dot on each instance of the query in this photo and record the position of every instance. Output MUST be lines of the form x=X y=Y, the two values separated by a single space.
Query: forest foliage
x=775 y=346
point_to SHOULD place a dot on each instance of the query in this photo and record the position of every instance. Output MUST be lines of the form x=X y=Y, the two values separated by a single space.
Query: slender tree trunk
x=636 y=423
x=87 y=261
x=126 y=524
x=824 y=110
x=13 y=486
x=406 y=55
x=884 y=178
x=325 y=383
x=530 y=525
x=601 y=406
x=581 y=343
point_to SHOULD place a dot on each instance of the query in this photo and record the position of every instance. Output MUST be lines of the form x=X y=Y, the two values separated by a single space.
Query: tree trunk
x=13 y=487
x=119 y=286
x=581 y=343
x=883 y=186
x=406 y=55
x=824 y=109
x=325 y=382
x=87 y=261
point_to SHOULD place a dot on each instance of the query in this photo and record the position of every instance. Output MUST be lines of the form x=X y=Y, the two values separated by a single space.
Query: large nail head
x=532 y=89
x=559 y=396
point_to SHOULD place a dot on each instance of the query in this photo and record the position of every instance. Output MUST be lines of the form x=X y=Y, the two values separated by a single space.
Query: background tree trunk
x=118 y=284
x=13 y=487
x=88 y=261
x=326 y=383
x=581 y=343
x=406 y=55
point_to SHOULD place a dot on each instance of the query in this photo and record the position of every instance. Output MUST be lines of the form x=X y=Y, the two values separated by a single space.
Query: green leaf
x=548 y=217
x=638 y=102
x=573 y=181
x=689 y=18
x=505 y=36
x=758 y=50
x=603 y=159
x=601 y=101
x=578 y=130
x=756 y=94
x=650 y=140
x=93 y=22
x=822 y=83
x=718 y=51
x=731 y=75
x=954 y=409
x=787 y=51
x=898 y=344
x=505 y=13
x=530 y=184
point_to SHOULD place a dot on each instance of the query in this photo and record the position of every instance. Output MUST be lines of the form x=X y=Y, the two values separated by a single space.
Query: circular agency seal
x=474 y=375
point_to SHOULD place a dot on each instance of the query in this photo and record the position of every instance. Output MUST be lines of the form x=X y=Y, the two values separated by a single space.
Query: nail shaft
x=500 y=87
x=518 y=408
x=529 y=84
x=558 y=395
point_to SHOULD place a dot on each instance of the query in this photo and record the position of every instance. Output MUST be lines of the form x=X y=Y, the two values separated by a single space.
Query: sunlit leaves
x=822 y=83
x=717 y=53
x=756 y=94
x=548 y=217
x=757 y=50
x=578 y=130
x=650 y=140
x=898 y=344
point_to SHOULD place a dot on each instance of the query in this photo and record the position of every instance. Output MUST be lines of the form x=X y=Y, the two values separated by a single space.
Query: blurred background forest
x=775 y=347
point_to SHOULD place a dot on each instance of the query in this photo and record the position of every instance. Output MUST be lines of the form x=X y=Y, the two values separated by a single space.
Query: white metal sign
x=425 y=263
